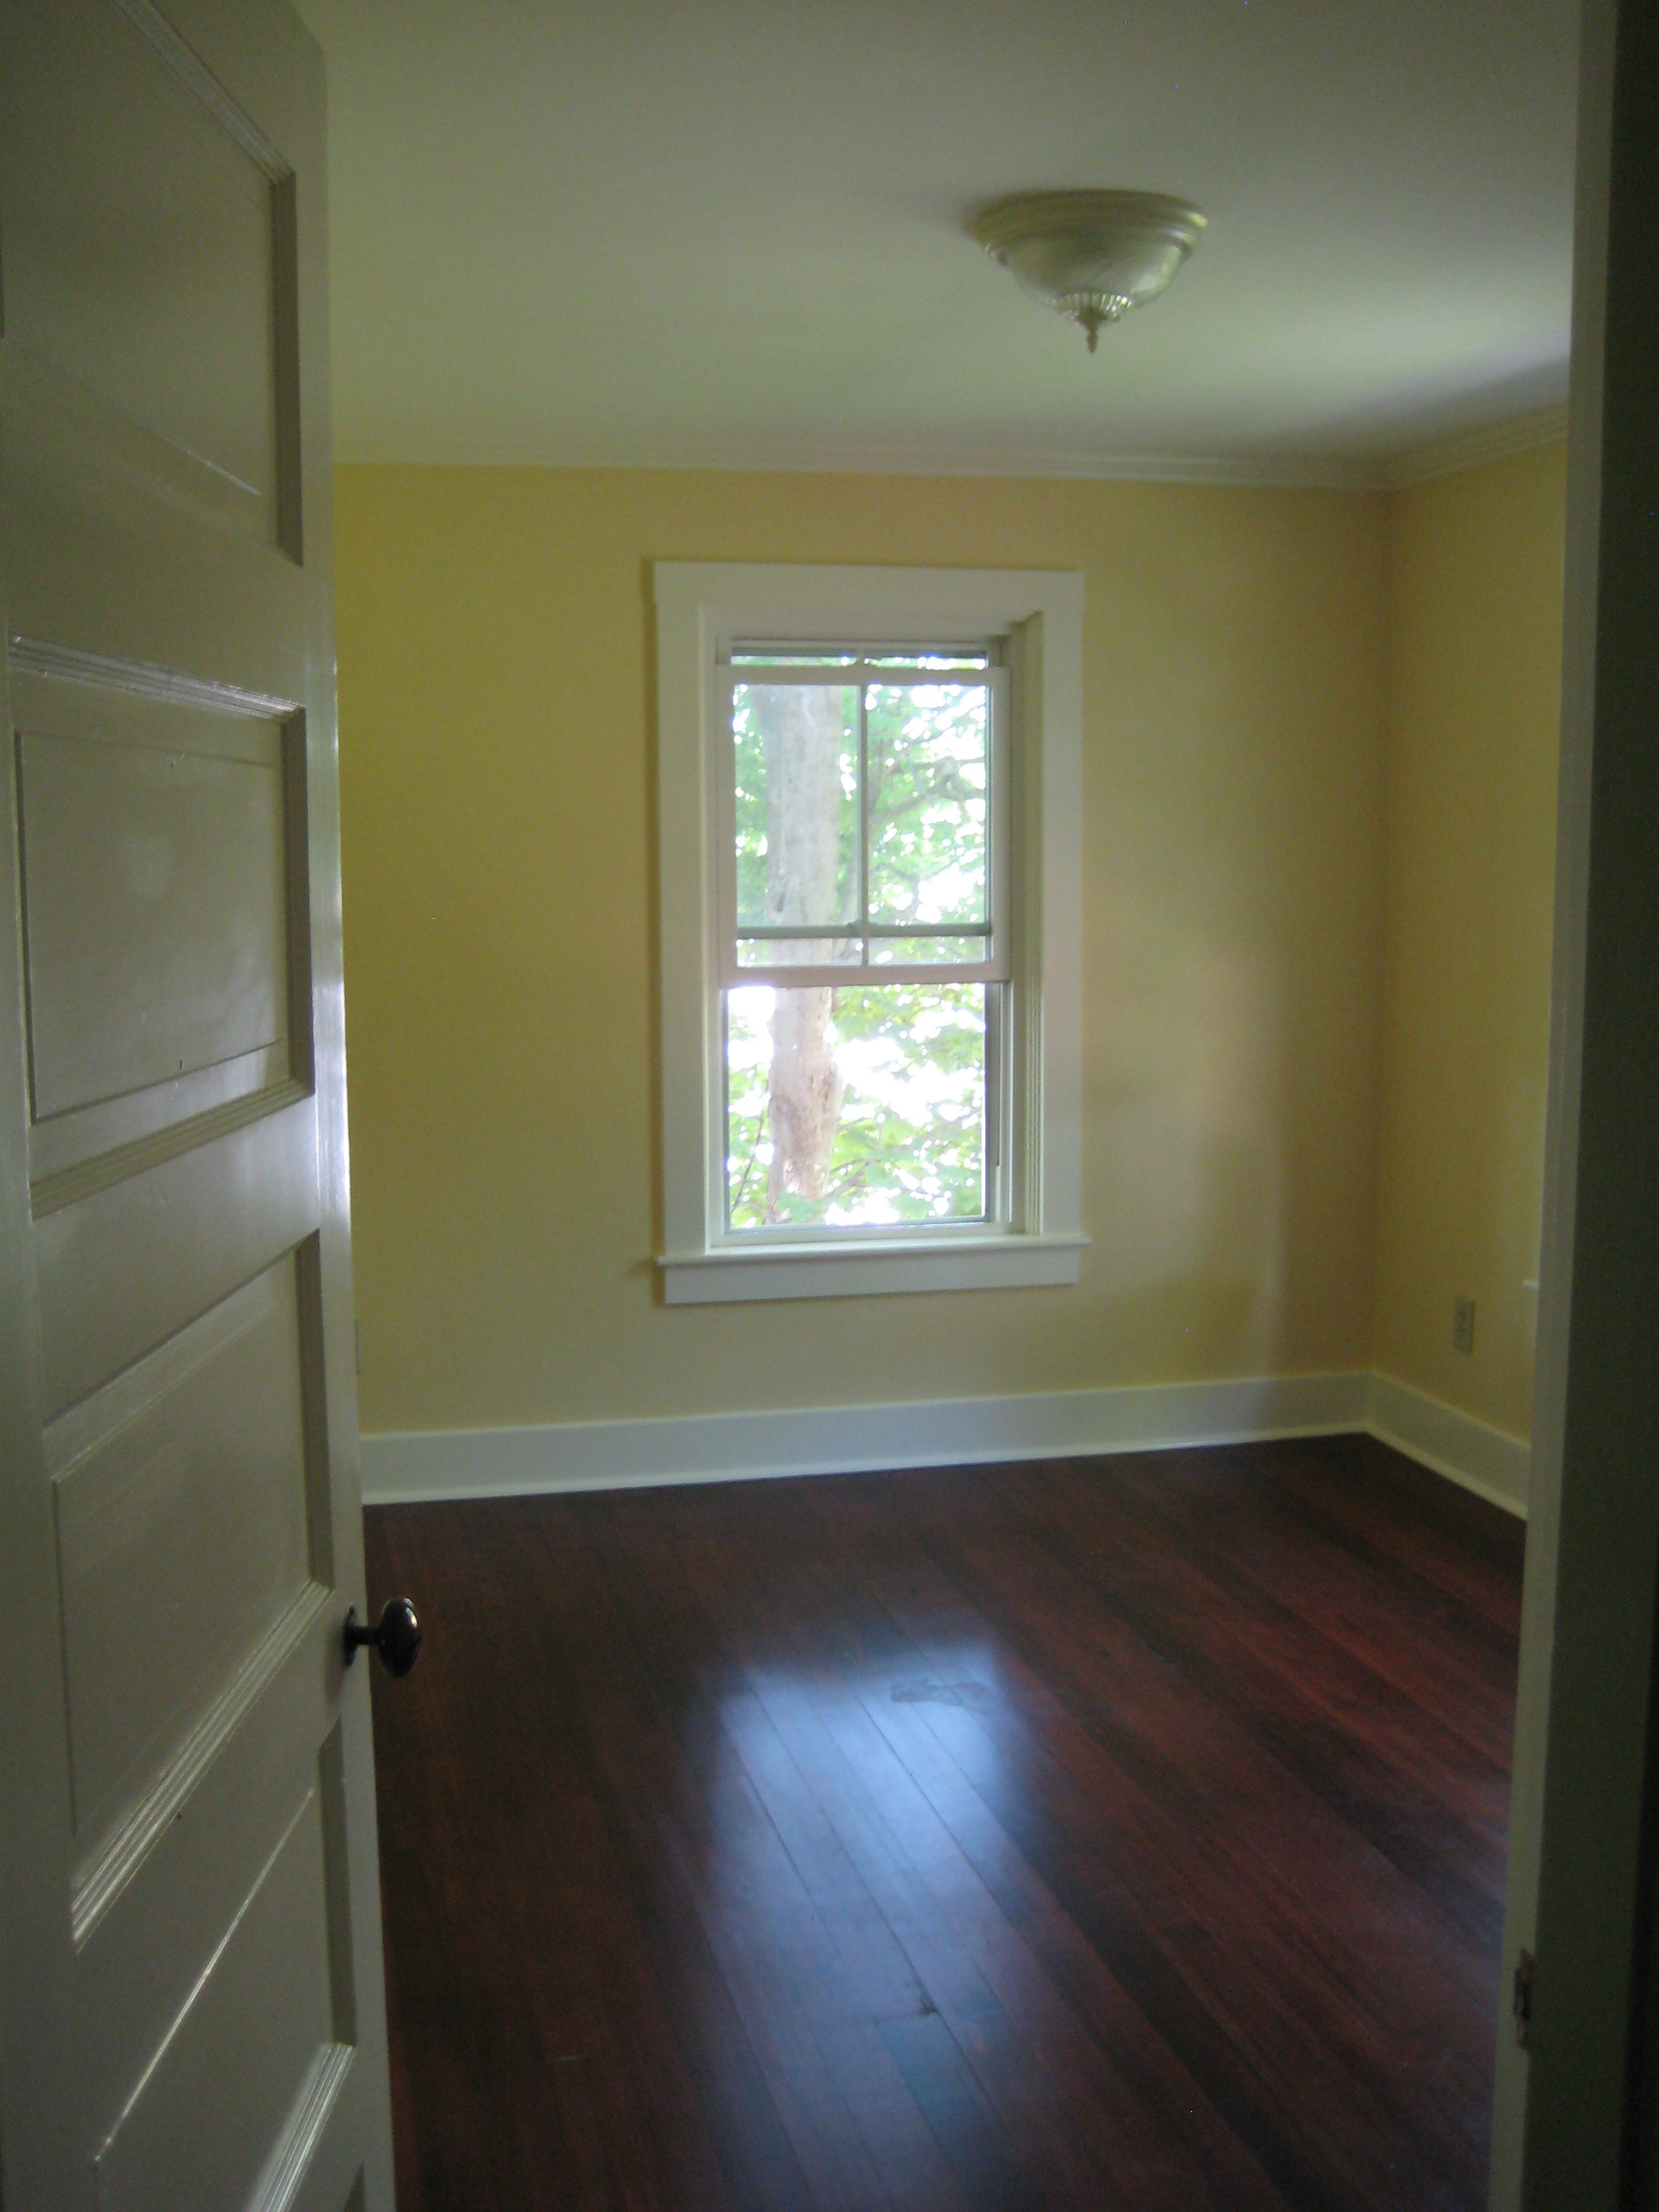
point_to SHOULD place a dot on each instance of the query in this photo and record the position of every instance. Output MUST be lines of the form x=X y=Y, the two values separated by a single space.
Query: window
x=862 y=886
x=870 y=841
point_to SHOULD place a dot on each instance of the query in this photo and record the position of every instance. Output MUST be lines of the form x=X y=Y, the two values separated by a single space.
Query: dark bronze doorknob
x=397 y=1638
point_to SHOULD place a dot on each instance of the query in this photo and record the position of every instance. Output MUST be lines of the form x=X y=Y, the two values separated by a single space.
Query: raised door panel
x=225 y=2111
x=139 y=252
x=107 y=553
x=123 y=1268
x=186 y=1508
x=155 y=865
x=149 y=413
x=134 y=1965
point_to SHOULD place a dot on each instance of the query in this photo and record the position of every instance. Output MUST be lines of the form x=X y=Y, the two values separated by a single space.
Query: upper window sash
x=866 y=949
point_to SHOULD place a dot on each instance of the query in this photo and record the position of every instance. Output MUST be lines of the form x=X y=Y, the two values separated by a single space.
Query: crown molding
x=1470 y=449
x=1282 y=472
x=1467 y=449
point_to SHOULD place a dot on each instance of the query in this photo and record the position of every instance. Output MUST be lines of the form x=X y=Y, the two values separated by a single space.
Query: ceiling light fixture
x=1090 y=255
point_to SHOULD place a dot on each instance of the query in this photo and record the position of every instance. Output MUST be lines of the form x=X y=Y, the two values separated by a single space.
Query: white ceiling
x=733 y=232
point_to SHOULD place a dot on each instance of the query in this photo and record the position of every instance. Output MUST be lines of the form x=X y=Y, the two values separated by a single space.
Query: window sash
x=996 y=967
x=804 y=654
x=996 y=1216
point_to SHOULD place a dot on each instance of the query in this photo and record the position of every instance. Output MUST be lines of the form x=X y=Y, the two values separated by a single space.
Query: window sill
x=821 y=1271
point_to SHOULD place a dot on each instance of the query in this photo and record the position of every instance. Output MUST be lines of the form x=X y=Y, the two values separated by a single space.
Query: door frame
x=1583 y=1833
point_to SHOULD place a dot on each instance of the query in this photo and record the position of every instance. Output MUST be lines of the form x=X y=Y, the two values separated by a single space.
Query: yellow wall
x=495 y=711
x=1474 y=589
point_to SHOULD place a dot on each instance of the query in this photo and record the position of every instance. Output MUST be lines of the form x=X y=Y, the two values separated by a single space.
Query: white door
x=191 y=2015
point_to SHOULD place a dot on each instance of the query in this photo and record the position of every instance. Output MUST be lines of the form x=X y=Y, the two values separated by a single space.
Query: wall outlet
x=1462 y=1324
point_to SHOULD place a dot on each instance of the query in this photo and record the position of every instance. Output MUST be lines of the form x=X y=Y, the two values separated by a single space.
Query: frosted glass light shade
x=1090 y=255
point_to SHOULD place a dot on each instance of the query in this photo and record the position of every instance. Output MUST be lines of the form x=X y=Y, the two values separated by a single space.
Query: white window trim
x=1040 y=612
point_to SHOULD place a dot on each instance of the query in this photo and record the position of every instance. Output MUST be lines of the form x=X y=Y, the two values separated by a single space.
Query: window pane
x=798 y=951
x=929 y=951
x=928 y=755
x=797 y=802
x=850 y=1108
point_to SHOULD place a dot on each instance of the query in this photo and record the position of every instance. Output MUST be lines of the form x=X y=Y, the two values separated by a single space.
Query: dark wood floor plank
x=1252 y=1836
x=1451 y=1661
x=1125 y=2145
x=1368 y=1497
x=1025 y=1839
x=1273 y=1968
x=551 y=1964
x=890 y=1982
x=705 y=1822
x=1198 y=1759
x=1017 y=1860
x=1040 y=1876
x=1393 y=1770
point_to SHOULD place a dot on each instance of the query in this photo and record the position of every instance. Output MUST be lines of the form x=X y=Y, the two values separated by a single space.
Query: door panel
x=154 y=912
x=136 y=1965
x=116 y=522
x=139 y=253
x=130 y=1263
x=191 y=2012
x=182 y=1535
x=163 y=863
x=260 y=2019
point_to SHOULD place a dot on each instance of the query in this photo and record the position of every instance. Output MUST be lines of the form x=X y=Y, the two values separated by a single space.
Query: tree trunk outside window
x=802 y=725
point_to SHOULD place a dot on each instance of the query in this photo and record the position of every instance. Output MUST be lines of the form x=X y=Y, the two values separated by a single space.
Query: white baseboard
x=1493 y=1465
x=852 y=1439
x=572 y=1455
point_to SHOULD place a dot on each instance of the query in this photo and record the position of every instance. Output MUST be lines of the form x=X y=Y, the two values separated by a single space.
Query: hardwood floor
x=1119 y=1833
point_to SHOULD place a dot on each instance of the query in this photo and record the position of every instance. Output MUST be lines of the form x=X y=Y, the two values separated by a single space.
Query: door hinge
x=1521 y=2000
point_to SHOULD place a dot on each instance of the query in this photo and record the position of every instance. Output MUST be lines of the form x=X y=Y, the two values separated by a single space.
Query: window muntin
x=865 y=954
